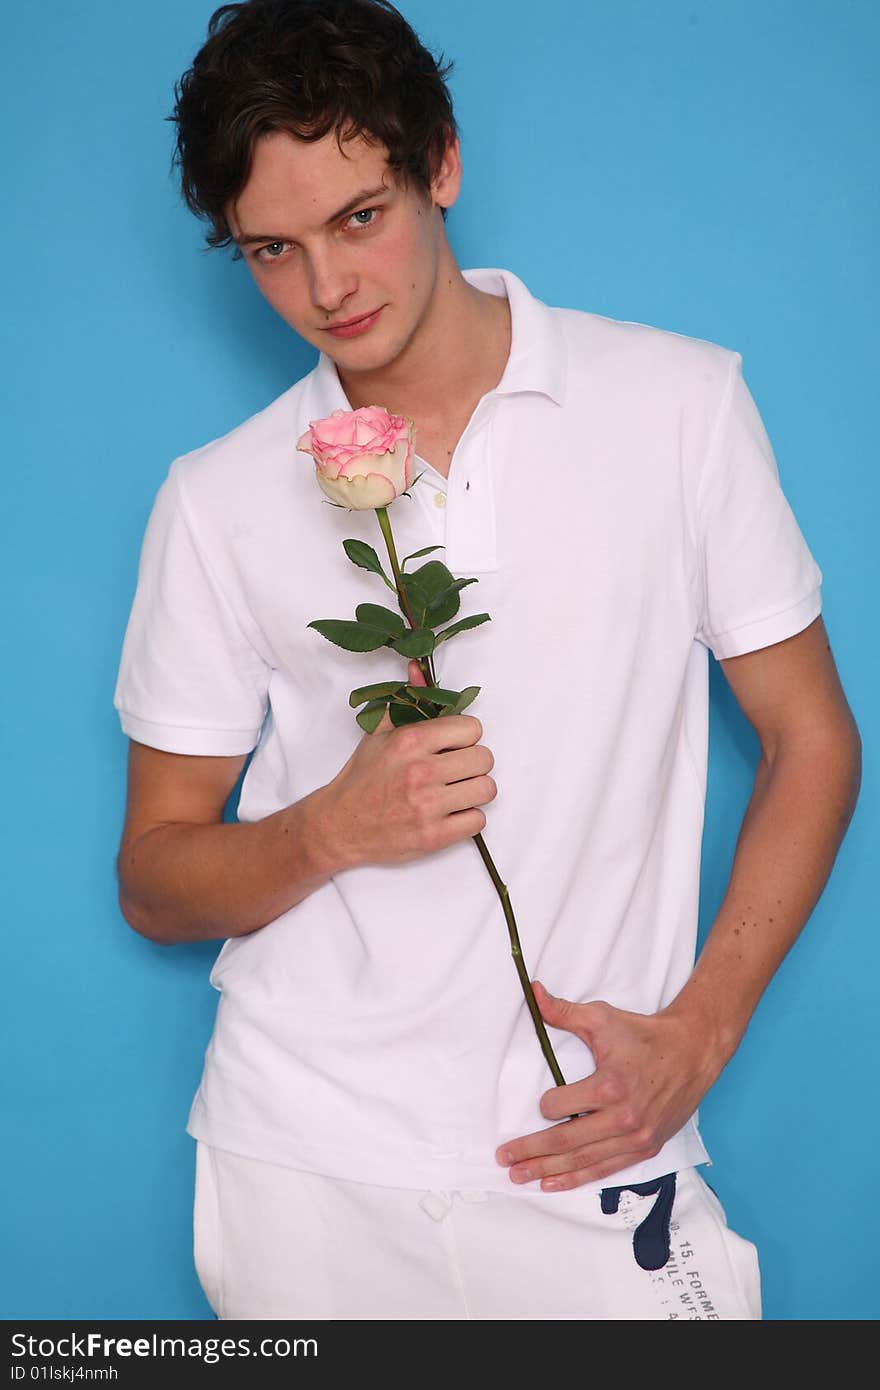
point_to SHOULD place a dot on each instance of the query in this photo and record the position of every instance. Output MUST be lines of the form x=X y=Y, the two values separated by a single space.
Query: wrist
x=324 y=849
x=702 y=1020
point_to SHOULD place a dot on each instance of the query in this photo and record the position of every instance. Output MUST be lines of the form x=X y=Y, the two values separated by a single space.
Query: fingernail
x=504 y=1156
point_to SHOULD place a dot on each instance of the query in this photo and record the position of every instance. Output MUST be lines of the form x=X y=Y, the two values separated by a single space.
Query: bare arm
x=805 y=791
x=184 y=875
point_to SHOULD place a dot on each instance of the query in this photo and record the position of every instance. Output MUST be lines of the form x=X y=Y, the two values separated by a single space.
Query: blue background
x=706 y=167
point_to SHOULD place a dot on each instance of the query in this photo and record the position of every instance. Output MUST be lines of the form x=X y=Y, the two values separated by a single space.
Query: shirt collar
x=537 y=350
x=537 y=357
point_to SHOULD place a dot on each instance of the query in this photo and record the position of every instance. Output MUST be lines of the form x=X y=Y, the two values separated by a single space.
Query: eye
x=365 y=212
x=258 y=255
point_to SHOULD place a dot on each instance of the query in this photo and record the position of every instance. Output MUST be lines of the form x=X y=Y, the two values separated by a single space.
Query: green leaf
x=371 y=715
x=433 y=694
x=445 y=605
x=402 y=698
x=354 y=637
x=462 y=625
x=433 y=577
x=419 y=642
x=372 y=692
x=452 y=588
x=441 y=608
x=424 y=584
x=366 y=558
x=416 y=596
x=416 y=553
x=387 y=621
x=404 y=714
x=467 y=696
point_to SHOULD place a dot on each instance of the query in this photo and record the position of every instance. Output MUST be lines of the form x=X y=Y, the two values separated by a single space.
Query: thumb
x=414 y=677
x=562 y=1013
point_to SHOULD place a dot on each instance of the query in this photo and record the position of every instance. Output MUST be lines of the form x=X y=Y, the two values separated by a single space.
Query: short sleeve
x=189 y=679
x=759 y=582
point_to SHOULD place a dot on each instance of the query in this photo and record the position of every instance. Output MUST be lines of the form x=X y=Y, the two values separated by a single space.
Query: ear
x=446 y=182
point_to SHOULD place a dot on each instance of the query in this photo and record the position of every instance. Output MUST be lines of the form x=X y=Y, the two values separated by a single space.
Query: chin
x=362 y=357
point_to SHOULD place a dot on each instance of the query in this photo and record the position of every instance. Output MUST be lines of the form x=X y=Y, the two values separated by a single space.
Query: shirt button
x=439 y=499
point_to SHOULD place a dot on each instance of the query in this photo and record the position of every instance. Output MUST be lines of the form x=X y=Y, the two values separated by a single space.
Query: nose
x=330 y=282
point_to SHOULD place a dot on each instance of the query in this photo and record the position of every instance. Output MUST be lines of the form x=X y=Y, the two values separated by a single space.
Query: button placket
x=470 y=513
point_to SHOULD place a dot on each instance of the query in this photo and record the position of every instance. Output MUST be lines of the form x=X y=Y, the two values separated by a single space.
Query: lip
x=354 y=327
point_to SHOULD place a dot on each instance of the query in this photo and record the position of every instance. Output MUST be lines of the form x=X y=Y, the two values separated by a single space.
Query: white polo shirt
x=617 y=498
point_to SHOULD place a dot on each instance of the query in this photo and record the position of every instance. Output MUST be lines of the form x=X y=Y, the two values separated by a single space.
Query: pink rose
x=363 y=458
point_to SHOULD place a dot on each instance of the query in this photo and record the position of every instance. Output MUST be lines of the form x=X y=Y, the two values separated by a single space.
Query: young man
x=377 y=1135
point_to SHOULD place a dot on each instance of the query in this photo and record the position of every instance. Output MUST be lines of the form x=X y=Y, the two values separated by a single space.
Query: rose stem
x=500 y=888
x=516 y=952
x=385 y=523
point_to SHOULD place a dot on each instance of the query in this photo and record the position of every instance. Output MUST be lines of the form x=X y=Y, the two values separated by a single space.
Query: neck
x=463 y=340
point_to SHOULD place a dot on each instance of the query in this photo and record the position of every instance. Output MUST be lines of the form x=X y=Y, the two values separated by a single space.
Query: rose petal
x=362 y=493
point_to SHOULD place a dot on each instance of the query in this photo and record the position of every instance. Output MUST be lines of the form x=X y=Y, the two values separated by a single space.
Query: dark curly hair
x=307 y=67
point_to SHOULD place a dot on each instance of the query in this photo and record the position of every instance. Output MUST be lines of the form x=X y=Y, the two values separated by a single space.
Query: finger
x=582 y=1143
x=568 y=1137
x=609 y=1145
x=597 y=1169
x=452 y=731
x=461 y=796
x=556 y=1139
x=461 y=763
x=595 y=1092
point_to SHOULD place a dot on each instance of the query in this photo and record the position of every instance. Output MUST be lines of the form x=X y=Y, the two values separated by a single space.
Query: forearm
x=799 y=811
x=194 y=882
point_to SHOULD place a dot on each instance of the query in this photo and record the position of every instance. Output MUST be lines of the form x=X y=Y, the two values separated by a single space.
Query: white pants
x=276 y=1243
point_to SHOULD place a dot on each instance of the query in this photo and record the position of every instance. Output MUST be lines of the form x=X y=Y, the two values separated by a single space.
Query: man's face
x=338 y=239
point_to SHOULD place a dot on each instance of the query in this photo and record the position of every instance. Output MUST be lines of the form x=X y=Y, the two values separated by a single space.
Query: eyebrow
x=247 y=238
